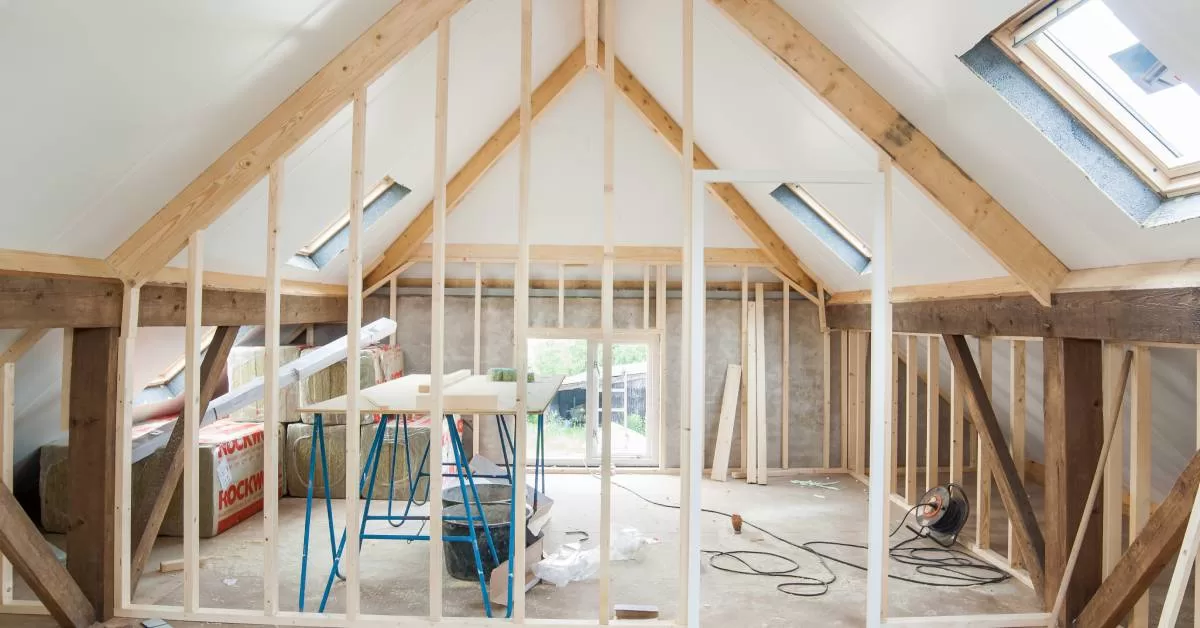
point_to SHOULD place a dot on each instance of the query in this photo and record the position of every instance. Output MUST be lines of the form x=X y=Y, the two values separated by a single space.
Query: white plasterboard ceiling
x=112 y=108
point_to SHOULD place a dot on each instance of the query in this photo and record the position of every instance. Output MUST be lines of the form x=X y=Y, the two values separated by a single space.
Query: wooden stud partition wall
x=855 y=430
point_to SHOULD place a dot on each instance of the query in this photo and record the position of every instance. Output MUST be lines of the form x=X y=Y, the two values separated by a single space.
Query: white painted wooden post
x=881 y=382
x=191 y=425
x=271 y=398
x=606 y=314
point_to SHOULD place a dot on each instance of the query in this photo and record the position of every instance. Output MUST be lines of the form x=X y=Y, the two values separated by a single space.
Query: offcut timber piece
x=760 y=381
x=751 y=397
x=448 y=380
x=174 y=565
x=635 y=611
x=729 y=403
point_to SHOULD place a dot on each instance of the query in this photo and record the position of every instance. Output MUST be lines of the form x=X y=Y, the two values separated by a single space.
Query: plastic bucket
x=488 y=494
x=460 y=559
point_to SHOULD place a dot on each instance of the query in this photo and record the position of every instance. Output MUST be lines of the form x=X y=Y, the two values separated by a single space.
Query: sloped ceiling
x=112 y=107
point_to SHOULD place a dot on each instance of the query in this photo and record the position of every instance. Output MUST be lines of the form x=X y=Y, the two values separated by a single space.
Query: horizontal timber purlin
x=27 y=301
x=586 y=254
x=1165 y=315
x=463 y=283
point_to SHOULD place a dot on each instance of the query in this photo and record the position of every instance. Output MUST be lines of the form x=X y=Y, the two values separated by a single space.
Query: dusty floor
x=394 y=572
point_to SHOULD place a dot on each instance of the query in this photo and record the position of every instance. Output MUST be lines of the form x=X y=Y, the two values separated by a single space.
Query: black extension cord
x=942 y=566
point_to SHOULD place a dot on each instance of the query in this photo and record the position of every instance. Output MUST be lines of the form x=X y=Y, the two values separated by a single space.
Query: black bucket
x=488 y=494
x=460 y=560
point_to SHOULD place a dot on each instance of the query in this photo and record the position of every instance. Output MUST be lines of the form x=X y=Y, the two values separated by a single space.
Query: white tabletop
x=399 y=396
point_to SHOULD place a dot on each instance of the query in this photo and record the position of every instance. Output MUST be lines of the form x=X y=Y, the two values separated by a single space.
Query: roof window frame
x=1024 y=40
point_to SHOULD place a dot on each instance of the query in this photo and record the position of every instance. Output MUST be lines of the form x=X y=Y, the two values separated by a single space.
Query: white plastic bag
x=627 y=544
x=572 y=563
x=569 y=563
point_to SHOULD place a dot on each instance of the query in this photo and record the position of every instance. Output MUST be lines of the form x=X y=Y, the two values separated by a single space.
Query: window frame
x=336 y=226
x=1090 y=102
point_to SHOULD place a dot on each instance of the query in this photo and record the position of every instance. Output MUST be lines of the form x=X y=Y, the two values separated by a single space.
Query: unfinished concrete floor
x=394 y=572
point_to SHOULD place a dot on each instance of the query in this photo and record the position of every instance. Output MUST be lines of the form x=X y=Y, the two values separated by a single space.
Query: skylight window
x=1101 y=71
x=336 y=237
x=824 y=226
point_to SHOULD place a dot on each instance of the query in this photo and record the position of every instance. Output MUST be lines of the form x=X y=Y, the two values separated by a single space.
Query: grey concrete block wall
x=723 y=337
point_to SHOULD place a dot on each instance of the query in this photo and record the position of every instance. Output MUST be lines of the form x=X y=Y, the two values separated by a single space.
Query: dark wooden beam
x=1026 y=534
x=1074 y=434
x=1155 y=546
x=91 y=465
x=39 y=301
x=32 y=557
x=1164 y=315
x=148 y=520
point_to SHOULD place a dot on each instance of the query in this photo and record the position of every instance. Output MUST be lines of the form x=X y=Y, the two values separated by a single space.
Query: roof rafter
x=847 y=93
x=748 y=218
x=405 y=245
x=308 y=108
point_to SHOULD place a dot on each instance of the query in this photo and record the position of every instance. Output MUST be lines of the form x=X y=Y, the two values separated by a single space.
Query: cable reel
x=942 y=512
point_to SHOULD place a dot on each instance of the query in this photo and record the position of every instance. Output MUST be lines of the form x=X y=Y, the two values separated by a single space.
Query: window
x=1082 y=53
x=822 y=224
x=336 y=237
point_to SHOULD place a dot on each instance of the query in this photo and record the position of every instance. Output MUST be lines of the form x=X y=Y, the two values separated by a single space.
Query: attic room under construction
x=366 y=313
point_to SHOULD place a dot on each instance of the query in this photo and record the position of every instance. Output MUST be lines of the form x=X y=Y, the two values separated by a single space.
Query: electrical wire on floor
x=941 y=566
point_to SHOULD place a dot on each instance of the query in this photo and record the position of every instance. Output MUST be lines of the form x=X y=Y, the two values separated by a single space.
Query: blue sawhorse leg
x=465 y=481
x=319 y=446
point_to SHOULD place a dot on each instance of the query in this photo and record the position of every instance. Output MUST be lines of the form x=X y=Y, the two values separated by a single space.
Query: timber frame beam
x=148 y=520
x=1026 y=532
x=1184 y=273
x=996 y=230
x=23 y=544
x=1154 y=547
x=1168 y=315
x=245 y=163
x=47 y=302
